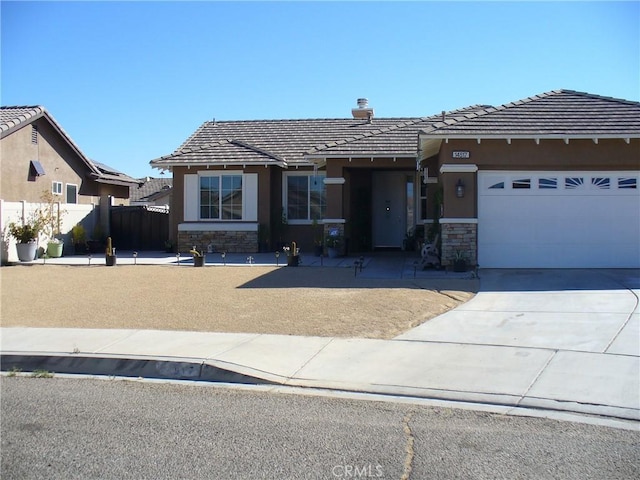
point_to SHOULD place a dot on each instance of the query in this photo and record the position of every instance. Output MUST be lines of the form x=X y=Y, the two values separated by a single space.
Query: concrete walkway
x=565 y=340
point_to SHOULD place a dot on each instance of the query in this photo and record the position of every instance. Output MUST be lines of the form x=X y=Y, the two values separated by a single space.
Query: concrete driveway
x=588 y=319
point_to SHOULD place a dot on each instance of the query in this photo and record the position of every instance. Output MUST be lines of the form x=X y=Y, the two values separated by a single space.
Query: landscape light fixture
x=459 y=188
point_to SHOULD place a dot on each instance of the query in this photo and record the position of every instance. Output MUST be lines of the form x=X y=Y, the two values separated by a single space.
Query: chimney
x=363 y=111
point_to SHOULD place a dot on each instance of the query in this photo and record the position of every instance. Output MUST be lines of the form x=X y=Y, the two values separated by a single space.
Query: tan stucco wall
x=60 y=164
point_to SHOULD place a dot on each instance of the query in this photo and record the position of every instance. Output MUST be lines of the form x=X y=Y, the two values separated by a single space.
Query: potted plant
x=78 y=237
x=168 y=246
x=198 y=257
x=293 y=255
x=459 y=261
x=51 y=215
x=110 y=254
x=26 y=236
x=96 y=243
x=333 y=244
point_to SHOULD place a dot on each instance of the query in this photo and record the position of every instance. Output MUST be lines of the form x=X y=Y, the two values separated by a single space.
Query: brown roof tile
x=556 y=113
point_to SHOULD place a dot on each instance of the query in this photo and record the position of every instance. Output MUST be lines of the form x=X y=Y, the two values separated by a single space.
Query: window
x=572 y=183
x=56 y=188
x=221 y=197
x=423 y=201
x=547 y=183
x=521 y=183
x=305 y=196
x=497 y=186
x=601 y=182
x=72 y=193
x=627 y=182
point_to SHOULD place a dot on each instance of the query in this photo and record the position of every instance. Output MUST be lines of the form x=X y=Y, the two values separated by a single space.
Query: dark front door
x=389 y=209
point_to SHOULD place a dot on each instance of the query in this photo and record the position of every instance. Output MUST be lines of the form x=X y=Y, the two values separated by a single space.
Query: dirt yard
x=289 y=301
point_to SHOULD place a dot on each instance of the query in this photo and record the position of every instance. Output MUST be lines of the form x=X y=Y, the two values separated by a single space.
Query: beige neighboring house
x=38 y=156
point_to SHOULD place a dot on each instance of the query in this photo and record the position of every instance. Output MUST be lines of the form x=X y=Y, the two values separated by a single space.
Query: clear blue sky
x=130 y=81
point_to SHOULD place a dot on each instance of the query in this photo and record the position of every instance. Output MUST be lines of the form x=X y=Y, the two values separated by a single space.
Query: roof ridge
x=259 y=150
x=370 y=133
x=182 y=145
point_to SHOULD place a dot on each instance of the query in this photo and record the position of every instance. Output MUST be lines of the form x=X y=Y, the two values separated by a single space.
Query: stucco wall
x=613 y=154
x=60 y=164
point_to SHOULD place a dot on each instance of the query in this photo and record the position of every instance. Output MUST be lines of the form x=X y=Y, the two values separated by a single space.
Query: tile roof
x=150 y=188
x=557 y=113
x=285 y=142
x=562 y=113
x=15 y=118
x=12 y=118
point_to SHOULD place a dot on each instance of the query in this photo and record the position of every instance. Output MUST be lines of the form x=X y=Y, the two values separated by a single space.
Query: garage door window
x=603 y=183
x=497 y=186
x=522 y=183
x=627 y=182
x=547 y=183
x=571 y=183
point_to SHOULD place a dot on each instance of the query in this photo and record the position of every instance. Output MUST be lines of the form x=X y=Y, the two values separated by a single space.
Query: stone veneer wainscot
x=459 y=235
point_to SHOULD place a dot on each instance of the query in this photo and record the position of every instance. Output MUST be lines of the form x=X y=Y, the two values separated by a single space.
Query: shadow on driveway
x=551 y=280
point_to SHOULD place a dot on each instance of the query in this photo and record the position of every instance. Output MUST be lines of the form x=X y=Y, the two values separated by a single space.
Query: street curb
x=126 y=367
x=201 y=371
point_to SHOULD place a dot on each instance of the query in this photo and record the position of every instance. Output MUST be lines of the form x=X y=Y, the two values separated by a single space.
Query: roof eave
x=529 y=136
x=167 y=165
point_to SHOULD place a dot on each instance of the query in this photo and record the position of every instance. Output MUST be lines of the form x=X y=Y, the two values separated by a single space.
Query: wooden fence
x=139 y=227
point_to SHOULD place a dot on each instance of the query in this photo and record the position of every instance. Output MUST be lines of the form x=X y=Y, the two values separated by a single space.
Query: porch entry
x=393 y=207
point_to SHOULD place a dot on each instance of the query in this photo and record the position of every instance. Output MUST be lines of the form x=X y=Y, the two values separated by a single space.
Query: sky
x=131 y=81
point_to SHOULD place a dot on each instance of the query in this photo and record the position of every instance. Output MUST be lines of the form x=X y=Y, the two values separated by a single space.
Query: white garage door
x=558 y=219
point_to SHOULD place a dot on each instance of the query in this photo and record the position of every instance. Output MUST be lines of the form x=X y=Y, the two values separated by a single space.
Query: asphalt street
x=115 y=429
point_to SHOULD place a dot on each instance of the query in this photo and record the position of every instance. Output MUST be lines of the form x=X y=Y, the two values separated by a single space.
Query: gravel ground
x=301 y=301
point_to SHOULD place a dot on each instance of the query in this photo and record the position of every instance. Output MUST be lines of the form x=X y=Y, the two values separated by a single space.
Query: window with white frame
x=221 y=197
x=305 y=196
x=72 y=193
x=56 y=188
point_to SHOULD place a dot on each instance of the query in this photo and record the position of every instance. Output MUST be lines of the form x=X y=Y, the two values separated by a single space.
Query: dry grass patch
x=289 y=301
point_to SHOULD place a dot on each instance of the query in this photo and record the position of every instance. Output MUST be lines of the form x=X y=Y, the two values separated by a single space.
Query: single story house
x=548 y=181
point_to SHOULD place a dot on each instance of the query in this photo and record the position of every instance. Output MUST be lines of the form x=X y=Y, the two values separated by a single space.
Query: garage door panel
x=561 y=228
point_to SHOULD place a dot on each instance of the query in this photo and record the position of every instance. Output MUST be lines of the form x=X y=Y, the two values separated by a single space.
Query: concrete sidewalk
x=528 y=339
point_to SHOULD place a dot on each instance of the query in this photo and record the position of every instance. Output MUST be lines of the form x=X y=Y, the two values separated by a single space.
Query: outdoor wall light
x=459 y=188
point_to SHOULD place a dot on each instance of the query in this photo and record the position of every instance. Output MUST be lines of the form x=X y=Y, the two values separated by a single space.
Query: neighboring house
x=549 y=181
x=38 y=156
x=152 y=192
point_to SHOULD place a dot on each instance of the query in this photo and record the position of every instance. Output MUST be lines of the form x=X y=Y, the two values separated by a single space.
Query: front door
x=389 y=209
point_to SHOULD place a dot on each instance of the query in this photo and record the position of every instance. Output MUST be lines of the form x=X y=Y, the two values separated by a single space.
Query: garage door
x=558 y=219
